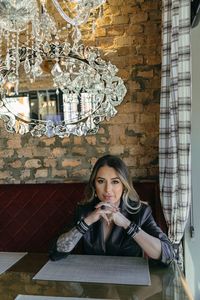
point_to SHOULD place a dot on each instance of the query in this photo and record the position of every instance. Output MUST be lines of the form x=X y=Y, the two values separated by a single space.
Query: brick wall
x=129 y=36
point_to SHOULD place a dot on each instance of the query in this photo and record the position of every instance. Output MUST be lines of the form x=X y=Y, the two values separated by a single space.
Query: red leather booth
x=31 y=215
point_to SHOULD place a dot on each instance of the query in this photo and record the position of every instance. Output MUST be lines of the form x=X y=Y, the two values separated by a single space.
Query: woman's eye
x=116 y=181
x=100 y=181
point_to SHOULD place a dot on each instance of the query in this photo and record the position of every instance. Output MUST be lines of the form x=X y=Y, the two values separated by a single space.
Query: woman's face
x=108 y=185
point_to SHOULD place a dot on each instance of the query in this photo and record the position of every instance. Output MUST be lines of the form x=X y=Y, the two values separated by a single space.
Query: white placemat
x=32 y=297
x=98 y=269
x=7 y=259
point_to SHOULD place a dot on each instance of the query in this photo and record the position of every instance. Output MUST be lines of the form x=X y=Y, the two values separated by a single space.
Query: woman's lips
x=107 y=198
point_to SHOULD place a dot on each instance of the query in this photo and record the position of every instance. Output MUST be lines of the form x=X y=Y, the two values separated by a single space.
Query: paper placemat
x=7 y=259
x=32 y=297
x=97 y=269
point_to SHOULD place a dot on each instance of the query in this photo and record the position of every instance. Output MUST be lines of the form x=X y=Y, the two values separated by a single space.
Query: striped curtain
x=175 y=118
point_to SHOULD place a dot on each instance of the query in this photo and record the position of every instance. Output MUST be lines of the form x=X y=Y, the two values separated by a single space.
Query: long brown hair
x=129 y=197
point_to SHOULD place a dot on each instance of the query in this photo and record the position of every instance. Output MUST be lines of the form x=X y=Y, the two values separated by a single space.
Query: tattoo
x=67 y=241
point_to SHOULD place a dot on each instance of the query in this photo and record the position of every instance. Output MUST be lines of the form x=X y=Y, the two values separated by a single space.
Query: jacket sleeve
x=149 y=225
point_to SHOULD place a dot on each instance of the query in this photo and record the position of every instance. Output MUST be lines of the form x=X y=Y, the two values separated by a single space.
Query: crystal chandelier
x=30 y=36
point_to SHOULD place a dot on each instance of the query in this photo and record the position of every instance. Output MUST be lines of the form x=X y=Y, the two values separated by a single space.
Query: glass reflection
x=52 y=105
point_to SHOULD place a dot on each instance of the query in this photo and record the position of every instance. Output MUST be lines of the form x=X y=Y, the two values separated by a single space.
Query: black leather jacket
x=118 y=243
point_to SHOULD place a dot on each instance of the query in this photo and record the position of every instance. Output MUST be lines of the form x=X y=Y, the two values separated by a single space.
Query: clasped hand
x=108 y=212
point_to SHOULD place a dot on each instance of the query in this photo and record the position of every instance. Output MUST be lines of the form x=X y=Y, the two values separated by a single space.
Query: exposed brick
x=91 y=140
x=25 y=152
x=84 y=173
x=79 y=151
x=154 y=108
x=150 y=5
x=101 y=150
x=130 y=161
x=115 y=2
x=16 y=164
x=77 y=140
x=132 y=140
x=146 y=160
x=139 y=173
x=59 y=152
x=105 y=42
x=117 y=150
x=136 y=150
x=2 y=163
x=124 y=74
x=155 y=15
x=49 y=141
x=143 y=96
x=133 y=86
x=104 y=140
x=6 y=153
x=123 y=41
x=129 y=36
x=116 y=30
x=33 y=163
x=42 y=151
x=151 y=28
x=153 y=172
x=136 y=60
x=25 y=174
x=146 y=74
x=41 y=173
x=101 y=131
x=117 y=135
x=153 y=59
x=148 y=118
x=140 y=17
x=71 y=163
x=120 y=20
x=111 y=11
x=106 y=20
x=100 y=32
x=50 y=162
x=122 y=51
x=129 y=9
x=134 y=29
x=60 y=173
x=4 y=175
x=14 y=143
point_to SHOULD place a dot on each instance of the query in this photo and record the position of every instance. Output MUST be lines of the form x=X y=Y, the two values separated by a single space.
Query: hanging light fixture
x=30 y=36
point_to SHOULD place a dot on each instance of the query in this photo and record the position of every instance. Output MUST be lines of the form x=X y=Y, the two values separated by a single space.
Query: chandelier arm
x=75 y=21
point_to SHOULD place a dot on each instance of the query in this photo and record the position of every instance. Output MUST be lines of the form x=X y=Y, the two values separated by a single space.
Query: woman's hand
x=102 y=210
x=120 y=220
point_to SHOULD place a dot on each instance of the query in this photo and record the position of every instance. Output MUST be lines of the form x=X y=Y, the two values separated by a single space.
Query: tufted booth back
x=32 y=214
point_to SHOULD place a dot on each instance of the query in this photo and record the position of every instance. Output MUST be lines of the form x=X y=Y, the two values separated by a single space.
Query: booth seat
x=31 y=215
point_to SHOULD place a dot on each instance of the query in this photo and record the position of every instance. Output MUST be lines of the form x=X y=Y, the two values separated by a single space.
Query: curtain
x=175 y=118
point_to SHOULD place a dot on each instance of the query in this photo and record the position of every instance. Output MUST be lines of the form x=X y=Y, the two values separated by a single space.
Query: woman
x=114 y=221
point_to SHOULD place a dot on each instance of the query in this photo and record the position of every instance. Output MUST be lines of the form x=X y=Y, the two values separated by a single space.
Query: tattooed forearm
x=67 y=241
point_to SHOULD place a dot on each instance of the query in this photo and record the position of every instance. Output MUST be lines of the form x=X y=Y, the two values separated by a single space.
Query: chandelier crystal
x=30 y=36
